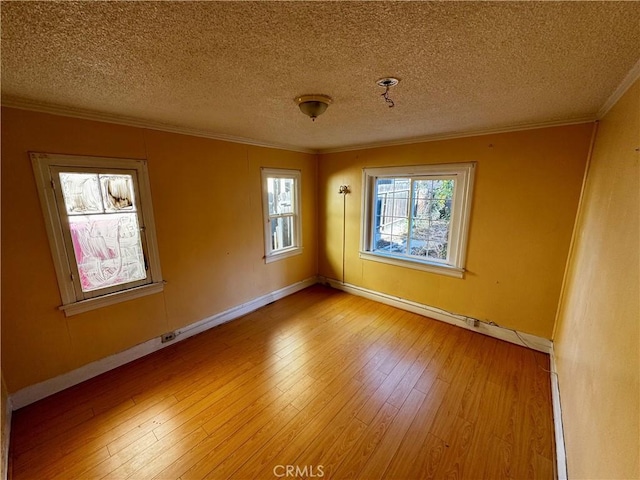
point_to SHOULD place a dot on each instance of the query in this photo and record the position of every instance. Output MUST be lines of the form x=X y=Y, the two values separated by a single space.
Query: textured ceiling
x=233 y=69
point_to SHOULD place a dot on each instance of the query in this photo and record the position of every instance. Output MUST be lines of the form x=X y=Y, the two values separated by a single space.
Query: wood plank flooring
x=336 y=385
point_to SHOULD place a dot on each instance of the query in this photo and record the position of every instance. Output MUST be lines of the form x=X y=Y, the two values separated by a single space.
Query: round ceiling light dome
x=313 y=105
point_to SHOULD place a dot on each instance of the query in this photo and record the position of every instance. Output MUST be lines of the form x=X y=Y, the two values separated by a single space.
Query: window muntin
x=413 y=216
x=101 y=230
x=417 y=216
x=281 y=199
x=103 y=233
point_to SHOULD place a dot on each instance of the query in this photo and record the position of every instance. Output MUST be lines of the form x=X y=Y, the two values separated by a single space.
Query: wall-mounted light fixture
x=313 y=105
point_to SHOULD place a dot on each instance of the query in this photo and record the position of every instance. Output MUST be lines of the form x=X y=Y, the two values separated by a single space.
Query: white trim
x=150 y=224
x=296 y=214
x=463 y=173
x=561 y=453
x=34 y=106
x=627 y=81
x=24 y=104
x=53 y=228
x=281 y=254
x=415 y=264
x=36 y=392
x=111 y=299
x=8 y=413
x=454 y=135
x=509 y=335
x=243 y=309
x=574 y=231
x=73 y=299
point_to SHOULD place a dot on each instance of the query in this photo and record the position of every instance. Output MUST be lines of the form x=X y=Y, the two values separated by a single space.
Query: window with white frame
x=281 y=206
x=418 y=216
x=99 y=220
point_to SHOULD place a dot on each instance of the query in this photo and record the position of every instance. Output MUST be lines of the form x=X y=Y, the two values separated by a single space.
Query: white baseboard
x=41 y=390
x=7 y=431
x=561 y=453
x=36 y=392
x=512 y=336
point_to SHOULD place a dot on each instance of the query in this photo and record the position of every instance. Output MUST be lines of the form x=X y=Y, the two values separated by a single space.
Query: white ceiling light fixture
x=313 y=105
x=387 y=83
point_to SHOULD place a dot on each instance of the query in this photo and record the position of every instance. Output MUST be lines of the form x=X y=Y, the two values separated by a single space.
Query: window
x=418 y=217
x=281 y=205
x=101 y=231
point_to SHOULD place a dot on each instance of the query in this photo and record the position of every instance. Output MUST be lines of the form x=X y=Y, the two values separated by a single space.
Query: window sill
x=111 y=299
x=283 y=254
x=416 y=265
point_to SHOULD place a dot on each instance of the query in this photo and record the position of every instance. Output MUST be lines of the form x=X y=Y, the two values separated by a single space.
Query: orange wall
x=597 y=339
x=207 y=205
x=526 y=193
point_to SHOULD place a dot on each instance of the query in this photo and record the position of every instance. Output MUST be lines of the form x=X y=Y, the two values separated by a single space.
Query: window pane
x=108 y=249
x=117 y=193
x=380 y=243
x=281 y=233
x=421 y=207
x=81 y=192
x=419 y=230
x=400 y=204
x=421 y=189
x=418 y=216
x=432 y=215
x=392 y=214
x=437 y=250
x=398 y=244
x=401 y=184
x=280 y=195
x=428 y=215
x=399 y=227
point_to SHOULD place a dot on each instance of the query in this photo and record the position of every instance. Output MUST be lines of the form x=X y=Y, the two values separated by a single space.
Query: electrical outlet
x=472 y=322
x=167 y=337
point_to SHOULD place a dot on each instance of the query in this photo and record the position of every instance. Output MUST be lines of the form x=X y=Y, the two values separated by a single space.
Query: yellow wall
x=208 y=211
x=597 y=340
x=526 y=193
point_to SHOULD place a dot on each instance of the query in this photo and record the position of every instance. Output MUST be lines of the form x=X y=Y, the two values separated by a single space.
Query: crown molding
x=24 y=104
x=627 y=81
x=450 y=136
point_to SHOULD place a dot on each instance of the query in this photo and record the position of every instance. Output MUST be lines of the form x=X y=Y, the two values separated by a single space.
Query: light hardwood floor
x=341 y=385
